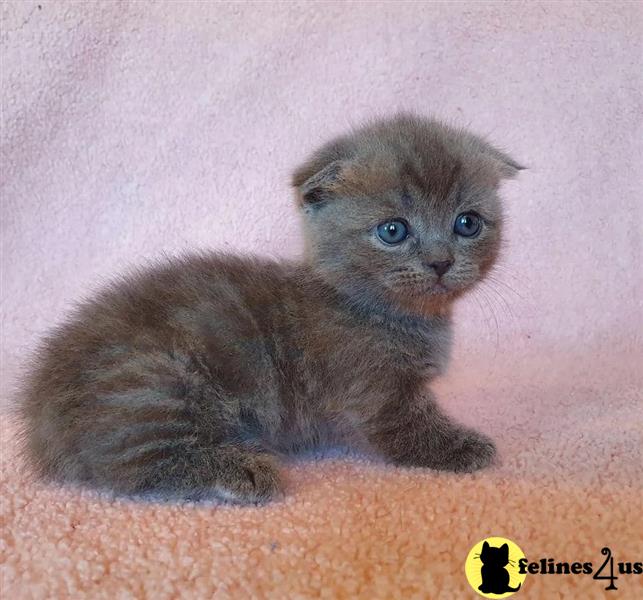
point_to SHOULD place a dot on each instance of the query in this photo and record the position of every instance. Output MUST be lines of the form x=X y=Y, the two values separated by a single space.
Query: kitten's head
x=404 y=211
x=492 y=556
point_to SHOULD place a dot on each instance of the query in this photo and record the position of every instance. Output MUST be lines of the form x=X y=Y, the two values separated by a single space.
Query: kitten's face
x=498 y=557
x=409 y=215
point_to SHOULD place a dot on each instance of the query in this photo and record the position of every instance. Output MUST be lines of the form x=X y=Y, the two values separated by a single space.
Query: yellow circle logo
x=492 y=567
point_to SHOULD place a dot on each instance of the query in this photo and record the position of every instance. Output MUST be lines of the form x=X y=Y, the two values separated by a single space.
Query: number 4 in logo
x=608 y=559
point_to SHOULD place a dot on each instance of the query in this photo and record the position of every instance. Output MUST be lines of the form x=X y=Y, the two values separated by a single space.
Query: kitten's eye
x=467 y=224
x=393 y=232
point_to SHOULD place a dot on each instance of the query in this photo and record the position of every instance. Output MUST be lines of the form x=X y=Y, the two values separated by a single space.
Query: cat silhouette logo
x=492 y=567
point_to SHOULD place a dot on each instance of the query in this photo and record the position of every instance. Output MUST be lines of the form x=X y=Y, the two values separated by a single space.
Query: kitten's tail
x=510 y=589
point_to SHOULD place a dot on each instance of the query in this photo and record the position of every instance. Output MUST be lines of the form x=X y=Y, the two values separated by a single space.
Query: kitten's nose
x=440 y=266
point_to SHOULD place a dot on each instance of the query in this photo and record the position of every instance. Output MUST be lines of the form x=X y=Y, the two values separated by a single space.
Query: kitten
x=495 y=578
x=188 y=379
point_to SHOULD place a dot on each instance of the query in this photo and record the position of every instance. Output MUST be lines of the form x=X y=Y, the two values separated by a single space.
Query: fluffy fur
x=188 y=379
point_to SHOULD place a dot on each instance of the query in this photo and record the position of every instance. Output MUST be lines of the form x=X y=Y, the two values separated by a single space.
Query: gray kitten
x=186 y=380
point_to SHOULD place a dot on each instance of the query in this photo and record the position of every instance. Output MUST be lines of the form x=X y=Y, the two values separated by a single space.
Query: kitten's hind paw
x=469 y=452
x=247 y=477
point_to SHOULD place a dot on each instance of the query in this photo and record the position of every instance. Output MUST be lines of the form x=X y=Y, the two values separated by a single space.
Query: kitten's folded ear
x=507 y=167
x=316 y=188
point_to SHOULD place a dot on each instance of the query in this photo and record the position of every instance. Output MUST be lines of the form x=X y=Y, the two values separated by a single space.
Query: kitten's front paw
x=469 y=452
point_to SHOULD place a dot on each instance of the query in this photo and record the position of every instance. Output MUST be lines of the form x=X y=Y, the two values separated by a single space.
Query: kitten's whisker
x=500 y=300
x=504 y=284
x=489 y=285
x=500 y=273
x=483 y=296
x=502 y=281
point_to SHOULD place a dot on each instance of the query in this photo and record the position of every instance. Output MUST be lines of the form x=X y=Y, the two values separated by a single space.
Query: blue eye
x=467 y=224
x=393 y=232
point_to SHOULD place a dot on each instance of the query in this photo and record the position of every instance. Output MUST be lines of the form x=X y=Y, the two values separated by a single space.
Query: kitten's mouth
x=437 y=289
x=424 y=289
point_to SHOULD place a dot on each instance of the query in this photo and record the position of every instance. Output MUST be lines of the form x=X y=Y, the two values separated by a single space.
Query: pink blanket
x=133 y=129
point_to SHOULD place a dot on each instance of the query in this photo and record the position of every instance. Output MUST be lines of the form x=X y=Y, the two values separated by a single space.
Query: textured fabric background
x=134 y=129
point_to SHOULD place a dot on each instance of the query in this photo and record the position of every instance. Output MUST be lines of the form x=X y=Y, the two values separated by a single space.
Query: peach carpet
x=570 y=483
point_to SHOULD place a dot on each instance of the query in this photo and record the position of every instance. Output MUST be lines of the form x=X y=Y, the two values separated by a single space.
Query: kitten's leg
x=180 y=468
x=153 y=441
x=418 y=433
